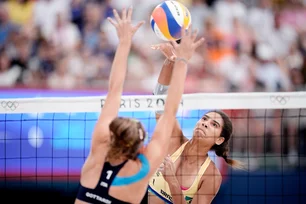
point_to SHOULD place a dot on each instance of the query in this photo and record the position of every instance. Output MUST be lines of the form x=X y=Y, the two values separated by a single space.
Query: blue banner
x=45 y=144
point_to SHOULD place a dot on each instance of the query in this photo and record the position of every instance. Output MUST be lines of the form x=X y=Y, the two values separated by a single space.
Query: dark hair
x=127 y=136
x=222 y=150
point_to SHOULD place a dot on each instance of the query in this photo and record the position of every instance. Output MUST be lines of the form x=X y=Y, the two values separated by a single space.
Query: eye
x=204 y=118
x=215 y=125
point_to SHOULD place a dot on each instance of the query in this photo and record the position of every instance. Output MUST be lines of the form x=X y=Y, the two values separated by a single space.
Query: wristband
x=160 y=90
x=181 y=59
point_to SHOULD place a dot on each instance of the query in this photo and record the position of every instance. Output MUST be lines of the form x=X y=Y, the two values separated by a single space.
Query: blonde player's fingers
x=123 y=14
x=129 y=15
x=116 y=15
x=112 y=21
x=135 y=28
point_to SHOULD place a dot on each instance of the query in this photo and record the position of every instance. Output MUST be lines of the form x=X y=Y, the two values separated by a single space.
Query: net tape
x=132 y=103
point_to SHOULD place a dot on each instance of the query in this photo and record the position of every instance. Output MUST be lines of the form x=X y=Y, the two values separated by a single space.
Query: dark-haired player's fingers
x=156 y=46
x=174 y=44
x=194 y=35
x=183 y=32
x=167 y=159
x=188 y=30
x=172 y=58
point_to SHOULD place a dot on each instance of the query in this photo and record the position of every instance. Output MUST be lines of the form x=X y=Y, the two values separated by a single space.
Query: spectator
x=61 y=78
x=6 y=25
x=21 y=11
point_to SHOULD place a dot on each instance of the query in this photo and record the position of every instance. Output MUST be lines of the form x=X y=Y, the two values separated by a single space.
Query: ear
x=219 y=141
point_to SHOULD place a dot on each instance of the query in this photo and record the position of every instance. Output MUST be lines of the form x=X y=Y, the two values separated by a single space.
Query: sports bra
x=108 y=178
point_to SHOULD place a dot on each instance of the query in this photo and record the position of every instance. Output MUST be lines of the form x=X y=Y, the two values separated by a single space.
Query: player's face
x=209 y=128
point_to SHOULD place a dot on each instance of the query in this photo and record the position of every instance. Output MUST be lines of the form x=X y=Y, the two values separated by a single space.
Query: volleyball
x=168 y=18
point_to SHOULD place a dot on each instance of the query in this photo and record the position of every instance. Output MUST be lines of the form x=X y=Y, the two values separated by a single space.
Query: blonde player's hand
x=167 y=50
x=188 y=43
x=167 y=168
x=123 y=25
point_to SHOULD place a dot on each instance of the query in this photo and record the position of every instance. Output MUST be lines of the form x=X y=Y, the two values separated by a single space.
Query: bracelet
x=181 y=59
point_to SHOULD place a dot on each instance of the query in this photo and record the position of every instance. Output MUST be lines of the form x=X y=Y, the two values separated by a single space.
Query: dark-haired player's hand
x=167 y=50
x=167 y=168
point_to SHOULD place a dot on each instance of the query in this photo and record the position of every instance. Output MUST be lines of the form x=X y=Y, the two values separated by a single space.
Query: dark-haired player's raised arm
x=161 y=88
x=159 y=144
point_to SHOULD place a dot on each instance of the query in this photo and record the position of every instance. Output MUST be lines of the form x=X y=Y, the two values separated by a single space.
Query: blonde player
x=118 y=167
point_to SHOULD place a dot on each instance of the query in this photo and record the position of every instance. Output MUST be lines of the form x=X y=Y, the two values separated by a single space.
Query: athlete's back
x=127 y=181
x=100 y=194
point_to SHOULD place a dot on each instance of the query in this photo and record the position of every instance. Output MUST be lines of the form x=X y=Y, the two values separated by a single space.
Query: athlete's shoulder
x=212 y=171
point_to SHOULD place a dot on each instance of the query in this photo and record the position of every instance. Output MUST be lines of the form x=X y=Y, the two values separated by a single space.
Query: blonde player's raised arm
x=89 y=190
x=125 y=32
x=158 y=146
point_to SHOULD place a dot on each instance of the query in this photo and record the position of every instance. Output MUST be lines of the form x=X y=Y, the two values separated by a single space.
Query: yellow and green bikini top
x=160 y=187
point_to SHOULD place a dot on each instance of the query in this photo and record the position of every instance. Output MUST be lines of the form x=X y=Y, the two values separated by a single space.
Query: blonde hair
x=127 y=136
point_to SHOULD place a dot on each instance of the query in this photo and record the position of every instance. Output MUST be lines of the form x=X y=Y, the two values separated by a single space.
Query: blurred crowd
x=251 y=46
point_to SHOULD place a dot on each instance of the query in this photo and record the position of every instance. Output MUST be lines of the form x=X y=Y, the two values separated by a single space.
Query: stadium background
x=65 y=48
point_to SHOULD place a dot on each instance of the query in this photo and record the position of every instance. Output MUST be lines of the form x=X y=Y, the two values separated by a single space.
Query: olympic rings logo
x=10 y=105
x=283 y=100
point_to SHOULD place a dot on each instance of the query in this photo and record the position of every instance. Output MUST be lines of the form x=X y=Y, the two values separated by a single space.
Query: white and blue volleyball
x=168 y=18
